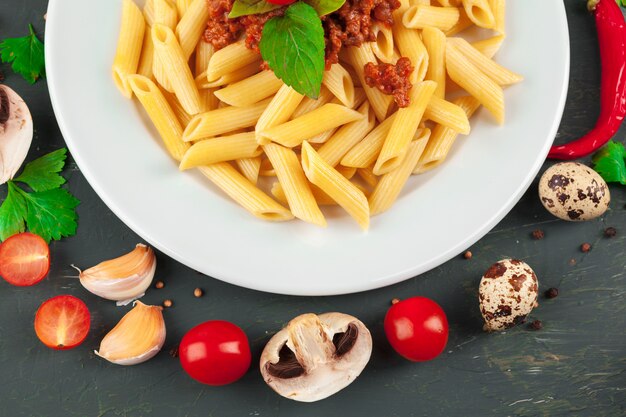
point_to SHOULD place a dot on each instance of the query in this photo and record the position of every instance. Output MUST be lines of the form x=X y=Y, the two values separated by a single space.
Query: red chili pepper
x=612 y=39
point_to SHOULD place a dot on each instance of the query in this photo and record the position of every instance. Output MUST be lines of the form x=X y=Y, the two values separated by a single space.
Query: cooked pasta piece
x=498 y=8
x=490 y=46
x=410 y=44
x=182 y=6
x=280 y=109
x=489 y=67
x=463 y=23
x=208 y=101
x=165 y=13
x=364 y=153
x=339 y=83
x=347 y=172
x=147 y=56
x=183 y=117
x=308 y=104
x=367 y=175
x=389 y=186
x=176 y=69
x=293 y=132
x=403 y=128
x=266 y=169
x=294 y=184
x=192 y=25
x=380 y=102
x=435 y=43
x=223 y=120
x=237 y=187
x=321 y=197
x=160 y=113
x=480 y=13
x=475 y=82
x=447 y=114
x=253 y=89
x=383 y=43
x=227 y=148
x=230 y=78
x=229 y=59
x=148 y=12
x=204 y=52
x=338 y=187
x=250 y=168
x=129 y=45
x=443 y=137
x=449 y=3
x=420 y=16
x=347 y=136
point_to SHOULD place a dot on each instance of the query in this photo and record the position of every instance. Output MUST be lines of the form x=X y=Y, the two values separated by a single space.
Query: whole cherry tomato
x=281 y=2
x=417 y=328
x=215 y=353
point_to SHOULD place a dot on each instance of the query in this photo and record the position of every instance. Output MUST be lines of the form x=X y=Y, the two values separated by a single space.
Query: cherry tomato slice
x=281 y=2
x=62 y=322
x=215 y=353
x=24 y=259
x=417 y=328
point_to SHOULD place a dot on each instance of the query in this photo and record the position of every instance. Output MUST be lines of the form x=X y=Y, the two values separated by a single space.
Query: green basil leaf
x=293 y=47
x=246 y=7
x=324 y=7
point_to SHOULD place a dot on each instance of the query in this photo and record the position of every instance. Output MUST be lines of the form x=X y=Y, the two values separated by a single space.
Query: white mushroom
x=16 y=132
x=316 y=356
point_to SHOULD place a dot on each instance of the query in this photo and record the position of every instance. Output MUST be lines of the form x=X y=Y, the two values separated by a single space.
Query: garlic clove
x=138 y=337
x=16 y=132
x=122 y=279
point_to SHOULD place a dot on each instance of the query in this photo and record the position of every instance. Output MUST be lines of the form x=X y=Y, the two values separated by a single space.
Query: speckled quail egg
x=574 y=192
x=507 y=294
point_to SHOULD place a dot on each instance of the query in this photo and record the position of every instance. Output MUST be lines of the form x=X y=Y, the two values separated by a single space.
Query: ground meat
x=391 y=79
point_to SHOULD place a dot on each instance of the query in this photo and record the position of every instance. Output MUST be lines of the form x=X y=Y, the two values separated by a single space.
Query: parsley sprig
x=26 y=55
x=610 y=162
x=48 y=210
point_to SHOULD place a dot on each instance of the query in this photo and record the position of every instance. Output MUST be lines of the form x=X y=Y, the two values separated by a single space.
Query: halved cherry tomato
x=24 y=259
x=281 y=2
x=62 y=322
x=215 y=353
x=417 y=328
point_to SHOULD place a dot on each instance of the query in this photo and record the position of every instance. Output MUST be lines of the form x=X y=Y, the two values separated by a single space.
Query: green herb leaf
x=51 y=214
x=246 y=7
x=610 y=162
x=293 y=47
x=42 y=173
x=324 y=7
x=26 y=55
x=12 y=212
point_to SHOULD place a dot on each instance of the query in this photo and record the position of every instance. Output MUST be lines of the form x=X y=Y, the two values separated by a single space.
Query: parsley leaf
x=293 y=47
x=26 y=55
x=51 y=214
x=324 y=7
x=12 y=213
x=42 y=173
x=246 y=7
x=610 y=162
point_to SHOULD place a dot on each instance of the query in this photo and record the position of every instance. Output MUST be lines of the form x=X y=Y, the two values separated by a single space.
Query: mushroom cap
x=16 y=132
x=331 y=350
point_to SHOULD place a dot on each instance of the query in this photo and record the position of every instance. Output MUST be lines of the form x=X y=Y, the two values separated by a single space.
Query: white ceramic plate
x=437 y=216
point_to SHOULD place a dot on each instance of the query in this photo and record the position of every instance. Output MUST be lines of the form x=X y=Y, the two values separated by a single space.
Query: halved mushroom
x=316 y=356
x=16 y=132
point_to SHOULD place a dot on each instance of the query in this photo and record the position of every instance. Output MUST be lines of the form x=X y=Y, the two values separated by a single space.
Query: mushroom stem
x=309 y=341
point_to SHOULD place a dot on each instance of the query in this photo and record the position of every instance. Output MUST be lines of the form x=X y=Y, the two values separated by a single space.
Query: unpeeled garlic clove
x=16 y=132
x=122 y=279
x=138 y=337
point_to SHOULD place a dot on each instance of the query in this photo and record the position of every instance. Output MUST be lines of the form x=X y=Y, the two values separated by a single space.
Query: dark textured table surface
x=575 y=365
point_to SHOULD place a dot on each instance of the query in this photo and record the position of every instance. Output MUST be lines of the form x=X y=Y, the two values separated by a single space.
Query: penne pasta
x=367 y=175
x=204 y=52
x=191 y=26
x=389 y=186
x=498 y=8
x=410 y=44
x=383 y=46
x=230 y=78
x=347 y=172
x=490 y=46
x=278 y=111
x=176 y=69
x=475 y=82
x=253 y=89
x=321 y=198
x=479 y=13
x=147 y=56
x=308 y=104
x=338 y=187
x=183 y=117
x=294 y=184
x=293 y=132
x=339 y=82
x=160 y=113
x=182 y=6
x=165 y=13
x=420 y=16
x=223 y=120
x=148 y=12
x=229 y=59
x=347 y=136
x=208 y=101
x=250 y=168
x=447 y=114
x=449 y=3
x=435 y=44
x=129 y=46
x=403 y=128
x=463 y=23
x=227 y=148
x=364 y=153
x=237 y=187
x=443 y=137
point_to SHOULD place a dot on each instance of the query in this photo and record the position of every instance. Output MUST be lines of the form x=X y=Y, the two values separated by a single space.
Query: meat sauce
x=351 y=25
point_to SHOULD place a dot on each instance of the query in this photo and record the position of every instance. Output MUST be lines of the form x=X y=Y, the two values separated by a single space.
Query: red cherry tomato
x=62 y=322
x=417 y=328
x=215 y=353
x=24 y=259
x=281 y=2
